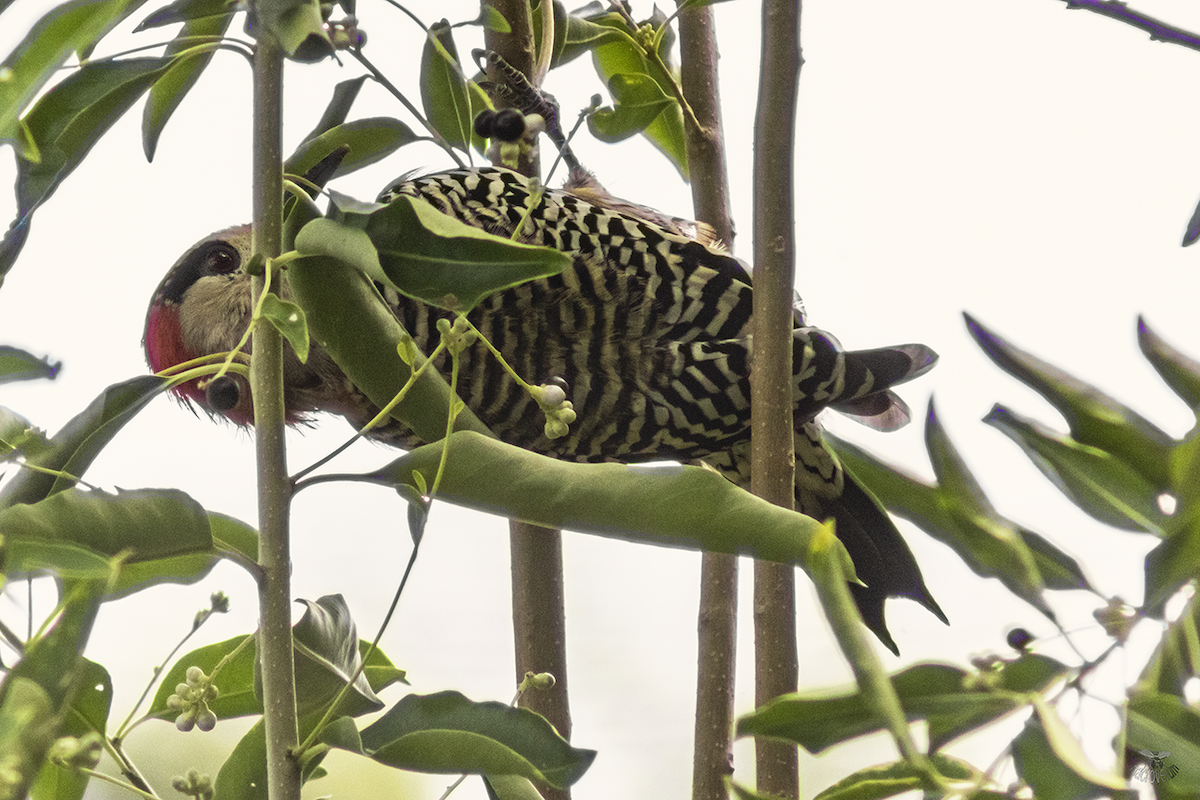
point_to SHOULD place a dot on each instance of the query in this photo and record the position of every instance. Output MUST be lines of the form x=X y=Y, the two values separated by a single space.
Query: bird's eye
x=220 y=261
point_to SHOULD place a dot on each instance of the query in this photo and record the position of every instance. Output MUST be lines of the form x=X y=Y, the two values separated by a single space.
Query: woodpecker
x=648 y=335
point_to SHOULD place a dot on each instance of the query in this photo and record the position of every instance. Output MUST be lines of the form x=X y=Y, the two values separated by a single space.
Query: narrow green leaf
x=288 y=318
x=1051 y=761
x=18 y=365
x=1179 y=371
x=447 y=733
x=988 y=543
x=889 y=780
x=370 y=140
x=1161 y=722
x=952 y=701
x=560 y=31
x=207 y=19
x=1094 y=418
x=1102 y=485
x=69 y=119
x=66 y=123
x=184 y=11
x=68 y=28
x=444 y=94
x=676 y=506
x=81 y=440
x=336 y=110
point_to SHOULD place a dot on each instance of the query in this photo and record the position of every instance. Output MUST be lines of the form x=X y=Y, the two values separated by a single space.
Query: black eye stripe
x=211 y=258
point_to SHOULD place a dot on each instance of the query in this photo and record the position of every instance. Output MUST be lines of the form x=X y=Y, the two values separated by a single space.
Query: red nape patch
x=165 y=347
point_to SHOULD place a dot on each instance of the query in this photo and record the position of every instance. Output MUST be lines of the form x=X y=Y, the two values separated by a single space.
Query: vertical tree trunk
x=716 y=625
x=772 y=463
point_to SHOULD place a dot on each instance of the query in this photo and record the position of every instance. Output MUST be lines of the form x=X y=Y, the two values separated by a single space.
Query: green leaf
x=925 y=505
x=243 y=775
x=988 y=543
x=184 y=11
x=18 y=436
x=511 y=787
x=889 y=780
x=670 y=506
x=204 y=19
x=236 y=682
x=1049 y=759
x=297 y=25
x=66 y=123
x=326 y=642
x=1094 y=418
x=952 y=701
x=81 y=440
x=639 y=101
x=1170 y=565
x=560 y=31
x=624 y=56
x=447 y=733
x=1179 y=371
x=38 y=693
x=370 y=140
x=428 y=255
x=434 y=257
x=1104 y=486
x=444 y=93
x=88 y=713
x=584 y=33
x=1164 y=722
x=231 y=539
x=27 y=729
x=18 y=365
x=1176 y=659
x=141 y=525
x=69 y=27
x=358 y=330
x=288 y=319
x=337 y=109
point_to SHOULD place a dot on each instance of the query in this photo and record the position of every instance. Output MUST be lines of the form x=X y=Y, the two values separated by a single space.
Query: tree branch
x=716 y=623
x=1159 y=31
x=772 y=461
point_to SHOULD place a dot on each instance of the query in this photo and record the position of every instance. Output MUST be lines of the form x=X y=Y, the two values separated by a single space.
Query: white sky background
x=1031 y=165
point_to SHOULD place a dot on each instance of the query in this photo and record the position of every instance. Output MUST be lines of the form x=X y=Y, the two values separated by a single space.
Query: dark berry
x=222 y=394
x=1019 y=639
x=560 y=382
x=484 y=123
x=509 y=125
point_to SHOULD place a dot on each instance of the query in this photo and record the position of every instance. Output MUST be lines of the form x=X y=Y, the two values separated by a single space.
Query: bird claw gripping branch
x=648 y=335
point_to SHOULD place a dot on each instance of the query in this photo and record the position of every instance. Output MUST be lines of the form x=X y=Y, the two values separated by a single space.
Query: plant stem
x=716 y=623
x=539 y=618
x=266 y=382
x=772 y=472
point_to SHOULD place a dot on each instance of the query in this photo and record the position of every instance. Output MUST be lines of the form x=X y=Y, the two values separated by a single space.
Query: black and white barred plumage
x=648 y=330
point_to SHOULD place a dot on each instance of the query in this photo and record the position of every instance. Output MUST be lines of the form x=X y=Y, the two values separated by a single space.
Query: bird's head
x=203 y=306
